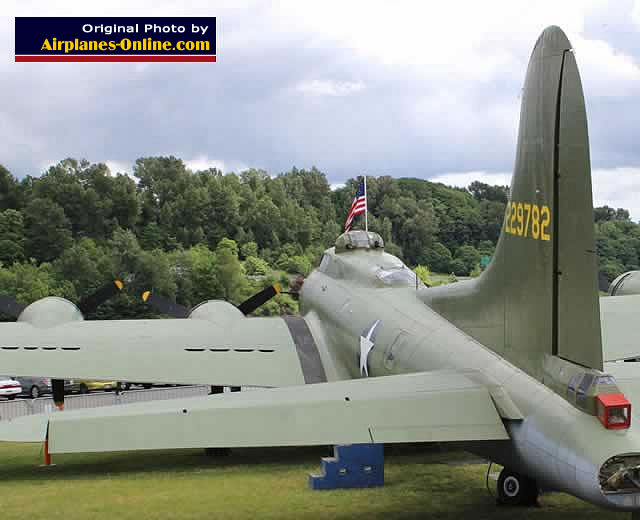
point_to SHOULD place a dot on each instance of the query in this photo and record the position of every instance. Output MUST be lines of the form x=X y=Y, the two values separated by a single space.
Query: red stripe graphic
x=114 y=58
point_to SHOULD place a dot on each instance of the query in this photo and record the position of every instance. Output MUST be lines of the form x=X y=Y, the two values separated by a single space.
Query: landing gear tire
x=35 y=392
x=515 y=489
x=84 y=389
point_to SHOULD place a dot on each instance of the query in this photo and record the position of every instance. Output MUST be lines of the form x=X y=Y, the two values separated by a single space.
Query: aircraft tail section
x=539 y=294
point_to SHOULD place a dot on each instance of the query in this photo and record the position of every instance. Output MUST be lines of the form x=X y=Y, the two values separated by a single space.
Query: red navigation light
x=614 y=411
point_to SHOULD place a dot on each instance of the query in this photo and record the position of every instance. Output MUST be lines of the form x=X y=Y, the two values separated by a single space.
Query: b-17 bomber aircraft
x=511 y=364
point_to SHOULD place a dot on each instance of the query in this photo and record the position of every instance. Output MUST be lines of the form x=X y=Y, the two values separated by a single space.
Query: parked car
x=34 y=387
x=85 y=386
x=9 y=388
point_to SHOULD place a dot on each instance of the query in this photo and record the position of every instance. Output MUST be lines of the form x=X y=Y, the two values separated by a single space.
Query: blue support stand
x=352 y=466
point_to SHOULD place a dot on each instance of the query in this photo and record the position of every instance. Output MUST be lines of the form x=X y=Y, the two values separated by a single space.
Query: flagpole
x=366 y=207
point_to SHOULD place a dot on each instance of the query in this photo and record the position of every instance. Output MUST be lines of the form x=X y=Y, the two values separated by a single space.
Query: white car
x=9 y=388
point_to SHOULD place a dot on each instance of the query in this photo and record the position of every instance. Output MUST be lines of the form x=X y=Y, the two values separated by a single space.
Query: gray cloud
x=292 y=88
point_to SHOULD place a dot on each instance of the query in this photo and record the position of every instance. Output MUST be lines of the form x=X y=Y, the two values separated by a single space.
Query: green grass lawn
x=252 y=483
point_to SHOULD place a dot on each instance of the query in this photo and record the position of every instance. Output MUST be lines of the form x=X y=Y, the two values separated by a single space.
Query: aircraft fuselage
x=559 y=445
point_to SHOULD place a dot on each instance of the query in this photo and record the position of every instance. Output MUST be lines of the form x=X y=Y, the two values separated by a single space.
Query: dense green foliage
x=202 y=235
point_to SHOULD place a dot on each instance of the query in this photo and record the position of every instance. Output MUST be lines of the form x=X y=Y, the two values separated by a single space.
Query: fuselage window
x=583 y=388
x=324 y=263
x=573 y=382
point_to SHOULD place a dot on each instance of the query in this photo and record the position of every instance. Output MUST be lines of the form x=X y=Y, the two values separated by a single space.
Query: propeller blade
x=603 y=283
x=165 y=306
x=10 y=306
x=99 y=296
x=57 y=387
x=251 y=304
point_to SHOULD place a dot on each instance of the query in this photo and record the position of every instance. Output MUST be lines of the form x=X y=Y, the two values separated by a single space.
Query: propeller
x=10 y=306
x=258 y=299
x=603 y=283
x=91 y=301
x=166 y=306
x=88 y=303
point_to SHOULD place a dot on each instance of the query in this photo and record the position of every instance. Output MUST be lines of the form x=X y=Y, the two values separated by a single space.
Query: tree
x=256 y=266
x=438 y=258
x=12 y=238
x=459 y=267
x=299 y=264
x=477 y=271
x=9 y=190
x=229 y=271
x=249 y=249
x=482 y=191
x=423 y=273
x=466 y=259
x=47 y=230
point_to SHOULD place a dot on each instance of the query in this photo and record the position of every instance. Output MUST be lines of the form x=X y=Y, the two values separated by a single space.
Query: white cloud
x=614 y=187
x=408 y=88
x=203 y=162
x=604 y=71
x=635 y=13
x=118 y=167
x=318 y=87
x=463 y=179
x=618 y=188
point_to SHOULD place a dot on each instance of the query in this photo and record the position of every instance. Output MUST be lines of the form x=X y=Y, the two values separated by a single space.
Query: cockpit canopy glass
x=397 y=277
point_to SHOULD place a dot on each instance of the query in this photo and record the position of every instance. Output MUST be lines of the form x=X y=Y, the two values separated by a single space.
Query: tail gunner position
x=510 y=364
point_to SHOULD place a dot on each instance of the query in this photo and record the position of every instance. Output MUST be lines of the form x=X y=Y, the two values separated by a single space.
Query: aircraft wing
x=620 y=319
x=237 y=352
x=427 y=406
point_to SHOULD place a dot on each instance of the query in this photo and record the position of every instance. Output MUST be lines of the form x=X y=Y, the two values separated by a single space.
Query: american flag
x=358 y=206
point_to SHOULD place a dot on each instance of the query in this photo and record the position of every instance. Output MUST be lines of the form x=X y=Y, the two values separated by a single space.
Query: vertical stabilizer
x=539 y=294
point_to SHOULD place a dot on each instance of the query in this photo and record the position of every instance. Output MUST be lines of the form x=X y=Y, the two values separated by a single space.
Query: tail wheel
x=35 y=392
x=515 y=489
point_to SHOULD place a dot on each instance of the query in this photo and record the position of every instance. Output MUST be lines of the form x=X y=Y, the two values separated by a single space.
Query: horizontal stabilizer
x=32 y=428
x=432 y=406
x=620 y=319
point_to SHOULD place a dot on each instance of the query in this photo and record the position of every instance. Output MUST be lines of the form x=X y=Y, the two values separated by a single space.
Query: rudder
x=539 y=294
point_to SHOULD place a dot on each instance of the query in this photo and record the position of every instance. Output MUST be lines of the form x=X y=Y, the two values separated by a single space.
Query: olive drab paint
x=532 y=299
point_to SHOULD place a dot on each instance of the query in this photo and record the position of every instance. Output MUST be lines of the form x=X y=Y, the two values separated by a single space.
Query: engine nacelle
x=49 y=312
x=626 y=283
x=219 y=312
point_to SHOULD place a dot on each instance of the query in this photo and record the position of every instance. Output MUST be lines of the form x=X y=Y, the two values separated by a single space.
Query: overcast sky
x=423 y=89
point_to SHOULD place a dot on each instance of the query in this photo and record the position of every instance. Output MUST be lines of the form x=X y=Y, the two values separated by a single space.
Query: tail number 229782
x=528 y=220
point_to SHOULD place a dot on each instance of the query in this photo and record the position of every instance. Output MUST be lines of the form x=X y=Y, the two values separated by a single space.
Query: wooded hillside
x=202 y=235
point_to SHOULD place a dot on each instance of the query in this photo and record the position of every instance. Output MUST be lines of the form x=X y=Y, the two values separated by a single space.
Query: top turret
x=352 y=240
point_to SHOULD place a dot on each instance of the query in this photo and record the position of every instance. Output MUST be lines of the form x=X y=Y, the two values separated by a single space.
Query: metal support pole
x=366 y=207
